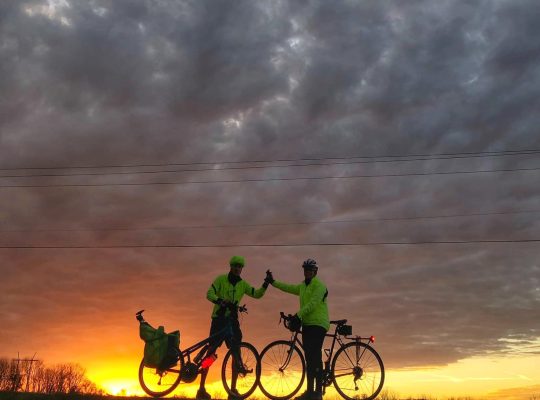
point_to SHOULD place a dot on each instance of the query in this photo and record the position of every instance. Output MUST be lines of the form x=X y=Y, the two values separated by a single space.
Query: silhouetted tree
x=38 y=378
x=4 y=375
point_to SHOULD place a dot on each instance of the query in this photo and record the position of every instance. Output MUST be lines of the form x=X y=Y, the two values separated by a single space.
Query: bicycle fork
x=288 y=359
x=326 y=373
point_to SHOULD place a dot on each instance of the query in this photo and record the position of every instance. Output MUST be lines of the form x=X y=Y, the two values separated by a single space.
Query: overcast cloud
x=101 y=83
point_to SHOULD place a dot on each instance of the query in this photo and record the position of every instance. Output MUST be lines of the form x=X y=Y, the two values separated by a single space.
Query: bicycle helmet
x=310 y=264
x=237 y=260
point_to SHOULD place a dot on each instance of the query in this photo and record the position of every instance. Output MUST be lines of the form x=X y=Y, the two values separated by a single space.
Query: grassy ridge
x=40 y=396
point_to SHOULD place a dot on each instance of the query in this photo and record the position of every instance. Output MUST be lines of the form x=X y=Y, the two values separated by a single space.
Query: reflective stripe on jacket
x=313 y=304
x=222 y=289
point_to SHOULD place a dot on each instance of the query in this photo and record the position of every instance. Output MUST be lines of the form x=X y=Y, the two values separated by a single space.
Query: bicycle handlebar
x=242 y=309
x=139 y=316
x=233 y=307
x=286 y=318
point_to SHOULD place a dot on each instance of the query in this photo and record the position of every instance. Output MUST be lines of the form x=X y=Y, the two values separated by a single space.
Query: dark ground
x=39 y=396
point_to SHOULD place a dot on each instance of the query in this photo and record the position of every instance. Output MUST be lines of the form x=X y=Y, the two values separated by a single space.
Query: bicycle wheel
x=247 y=371
x=358 y=371
x=283 y=370
x=157 y=382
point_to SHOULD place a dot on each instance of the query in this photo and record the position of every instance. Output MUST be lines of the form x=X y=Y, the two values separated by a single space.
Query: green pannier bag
x=160 y=348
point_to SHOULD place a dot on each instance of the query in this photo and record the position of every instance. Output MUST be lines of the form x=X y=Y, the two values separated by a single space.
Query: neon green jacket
x=222 y=289
x=313 y=305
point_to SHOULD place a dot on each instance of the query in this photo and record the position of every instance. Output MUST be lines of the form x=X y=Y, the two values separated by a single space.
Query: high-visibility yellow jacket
x=313 y=304
x=223 y=289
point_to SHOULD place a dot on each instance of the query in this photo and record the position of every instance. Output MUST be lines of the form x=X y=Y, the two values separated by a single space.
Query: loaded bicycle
x=356 y=370
x=239 y=376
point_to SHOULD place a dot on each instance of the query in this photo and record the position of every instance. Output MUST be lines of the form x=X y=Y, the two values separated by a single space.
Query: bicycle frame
x=328 y=373
x=336 y=337
x=205 y=345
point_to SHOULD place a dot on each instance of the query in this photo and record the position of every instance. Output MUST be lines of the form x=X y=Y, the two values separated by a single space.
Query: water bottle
x=209 y=361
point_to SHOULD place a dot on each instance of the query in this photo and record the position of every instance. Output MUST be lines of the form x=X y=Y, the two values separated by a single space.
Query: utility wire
x=352 y=244
x=273 y=179
x=303 y=164
x=457 y=154
x=360 y=220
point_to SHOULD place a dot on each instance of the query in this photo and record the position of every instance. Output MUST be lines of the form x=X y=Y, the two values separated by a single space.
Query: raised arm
x=286 y=287
x=252 y=292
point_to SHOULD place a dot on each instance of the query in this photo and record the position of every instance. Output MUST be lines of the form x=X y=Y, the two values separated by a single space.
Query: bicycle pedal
x=244 y=371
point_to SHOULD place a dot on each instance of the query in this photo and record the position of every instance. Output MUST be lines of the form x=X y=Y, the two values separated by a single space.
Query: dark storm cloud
x=122 y=82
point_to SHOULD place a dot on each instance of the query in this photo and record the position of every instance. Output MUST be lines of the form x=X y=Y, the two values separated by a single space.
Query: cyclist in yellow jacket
x=314 y=320
x=225 y=292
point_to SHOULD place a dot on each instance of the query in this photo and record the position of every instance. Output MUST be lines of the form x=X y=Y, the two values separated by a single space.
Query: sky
x=142 y=144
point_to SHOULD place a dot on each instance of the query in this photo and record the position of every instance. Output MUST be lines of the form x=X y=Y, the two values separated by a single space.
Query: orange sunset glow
x=144 y=143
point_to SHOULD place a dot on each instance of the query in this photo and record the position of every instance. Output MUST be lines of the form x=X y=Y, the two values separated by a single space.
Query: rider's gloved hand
x=223 y=303
x=295 y=323
x=269 y=279
x=233 y=306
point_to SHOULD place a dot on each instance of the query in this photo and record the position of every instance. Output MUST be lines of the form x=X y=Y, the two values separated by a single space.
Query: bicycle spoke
x=158 y=382
x=281 y=371
x=357 y=371
x=241 y=375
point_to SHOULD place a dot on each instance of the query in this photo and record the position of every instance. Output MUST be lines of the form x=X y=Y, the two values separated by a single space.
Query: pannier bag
x=160 y=348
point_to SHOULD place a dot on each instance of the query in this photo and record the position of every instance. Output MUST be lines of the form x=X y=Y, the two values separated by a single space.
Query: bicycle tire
x=275 y=383
x=246 y=382
x=151 y=379
x=357 y=371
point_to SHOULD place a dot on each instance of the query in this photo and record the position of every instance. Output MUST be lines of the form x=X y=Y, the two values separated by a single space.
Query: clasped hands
x=269 y=279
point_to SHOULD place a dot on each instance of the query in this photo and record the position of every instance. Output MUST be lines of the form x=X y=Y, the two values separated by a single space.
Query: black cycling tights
x=313 y=338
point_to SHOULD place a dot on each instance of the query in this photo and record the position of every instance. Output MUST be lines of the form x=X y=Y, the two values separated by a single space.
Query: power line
x=303 y=164
x=139 y=165
x=352 y=244
x=360 y=220
x=272 y=179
